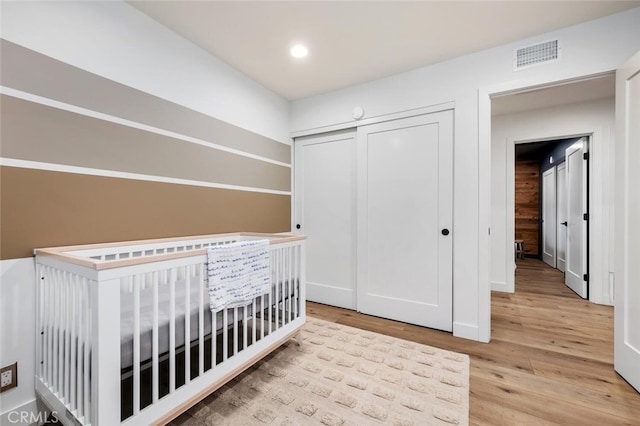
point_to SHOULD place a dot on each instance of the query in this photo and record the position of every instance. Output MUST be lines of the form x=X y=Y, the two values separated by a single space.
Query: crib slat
x=62 y=337
x=279 y=302
x=289 y=284
x=53 y=332
x=172 y=331
x=58 y=334
x=74 y=341
x=136 y=344
x=292 y=278
x=283 y=285
x=254 y=321
x=263 y=314
x=52 y=329
x=187 y=326
x=200 y=283
x=278 y=290
x=291 y=251
x=87 y=352
x=245 y=329
x=78 y=337
x=39 y=320
x=154 y=342
x=214 y=338
x=225 y=334
x=45 y=324
x=271 y=294
x=66 y=347
x=235 y=330
x=46 y=356
x=82 y=320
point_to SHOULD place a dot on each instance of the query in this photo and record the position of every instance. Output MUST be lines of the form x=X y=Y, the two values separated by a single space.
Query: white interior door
x=561 y=216
x=549 y=217
x=325 y=213
x=576 y=269
x=405 y=203
x=627 y=223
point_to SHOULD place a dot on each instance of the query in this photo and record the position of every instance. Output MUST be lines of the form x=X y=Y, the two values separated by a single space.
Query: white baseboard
x=499 y=286
x=466 y=331
x=330 y=295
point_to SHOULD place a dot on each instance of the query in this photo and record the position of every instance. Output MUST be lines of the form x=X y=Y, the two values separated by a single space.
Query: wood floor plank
x=549 y=362
x=582 y=398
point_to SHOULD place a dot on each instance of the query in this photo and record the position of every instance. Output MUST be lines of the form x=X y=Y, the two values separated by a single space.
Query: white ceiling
x=358 y=41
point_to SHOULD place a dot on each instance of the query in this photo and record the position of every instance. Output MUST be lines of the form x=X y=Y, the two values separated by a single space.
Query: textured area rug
x=340 y=375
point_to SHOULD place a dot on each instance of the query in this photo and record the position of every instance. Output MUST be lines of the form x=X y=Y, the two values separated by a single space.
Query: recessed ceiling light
x=299 y=51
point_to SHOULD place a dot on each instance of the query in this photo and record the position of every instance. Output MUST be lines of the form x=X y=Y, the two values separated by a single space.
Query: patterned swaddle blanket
x=238 y=273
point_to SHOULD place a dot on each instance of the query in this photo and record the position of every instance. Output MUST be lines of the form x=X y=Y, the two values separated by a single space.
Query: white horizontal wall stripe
x=106 y=117
x=11 y=162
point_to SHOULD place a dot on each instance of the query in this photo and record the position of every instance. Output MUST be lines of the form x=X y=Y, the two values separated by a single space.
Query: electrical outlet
x=8 y=377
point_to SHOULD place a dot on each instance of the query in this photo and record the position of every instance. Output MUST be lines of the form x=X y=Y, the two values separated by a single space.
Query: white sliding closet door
x=325 y=213
x=405 y=199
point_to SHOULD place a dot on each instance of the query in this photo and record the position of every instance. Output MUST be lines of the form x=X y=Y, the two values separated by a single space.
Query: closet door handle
x=298 y=226
x=564 y=223
x=445 y=232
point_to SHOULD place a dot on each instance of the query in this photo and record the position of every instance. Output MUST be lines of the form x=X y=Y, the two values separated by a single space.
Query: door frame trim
x=375 y=119
x=553 y=172
x=600 y=223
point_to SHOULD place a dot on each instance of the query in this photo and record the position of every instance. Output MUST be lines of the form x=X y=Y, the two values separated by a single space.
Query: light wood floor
x=549 y=362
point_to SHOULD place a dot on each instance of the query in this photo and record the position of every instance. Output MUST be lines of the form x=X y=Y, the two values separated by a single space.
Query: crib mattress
x=164 y=318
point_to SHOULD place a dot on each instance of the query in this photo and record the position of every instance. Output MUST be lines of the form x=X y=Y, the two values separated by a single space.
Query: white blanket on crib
x=238 y=273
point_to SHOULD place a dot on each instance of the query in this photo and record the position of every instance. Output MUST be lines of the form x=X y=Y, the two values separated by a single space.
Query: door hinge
x=585 y=277
x=585 y=216
x=585 y=156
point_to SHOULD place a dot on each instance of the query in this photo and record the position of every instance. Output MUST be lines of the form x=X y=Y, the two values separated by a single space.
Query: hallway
x=550 y=360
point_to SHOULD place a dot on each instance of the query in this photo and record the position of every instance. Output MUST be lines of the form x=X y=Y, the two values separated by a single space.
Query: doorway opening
x=551 y=207
x=549 y=114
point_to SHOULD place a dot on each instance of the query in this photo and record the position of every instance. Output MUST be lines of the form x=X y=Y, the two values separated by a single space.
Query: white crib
x=126 y=335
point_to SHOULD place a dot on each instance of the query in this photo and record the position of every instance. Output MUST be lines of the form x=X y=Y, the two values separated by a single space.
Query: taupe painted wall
x=44 y=209
x=89 y=160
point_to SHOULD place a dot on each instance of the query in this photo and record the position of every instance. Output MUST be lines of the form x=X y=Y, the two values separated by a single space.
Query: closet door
x=549 y=217
x=324 y=186
x=561 y=216
x=405 y=198
x=577 y=237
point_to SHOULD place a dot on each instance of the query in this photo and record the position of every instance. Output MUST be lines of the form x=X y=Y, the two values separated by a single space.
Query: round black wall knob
x=445 y=232
x=298 y=226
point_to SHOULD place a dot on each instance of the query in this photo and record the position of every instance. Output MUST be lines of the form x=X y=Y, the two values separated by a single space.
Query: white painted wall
x=18 y=332
x=114 y=40
x=596 y=118
x=591 y=48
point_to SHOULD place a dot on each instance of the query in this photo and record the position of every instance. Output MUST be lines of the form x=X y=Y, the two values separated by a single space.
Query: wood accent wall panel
x=527 y=205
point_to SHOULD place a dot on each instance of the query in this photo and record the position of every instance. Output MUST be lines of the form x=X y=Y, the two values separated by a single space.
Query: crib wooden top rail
x=127 y=253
